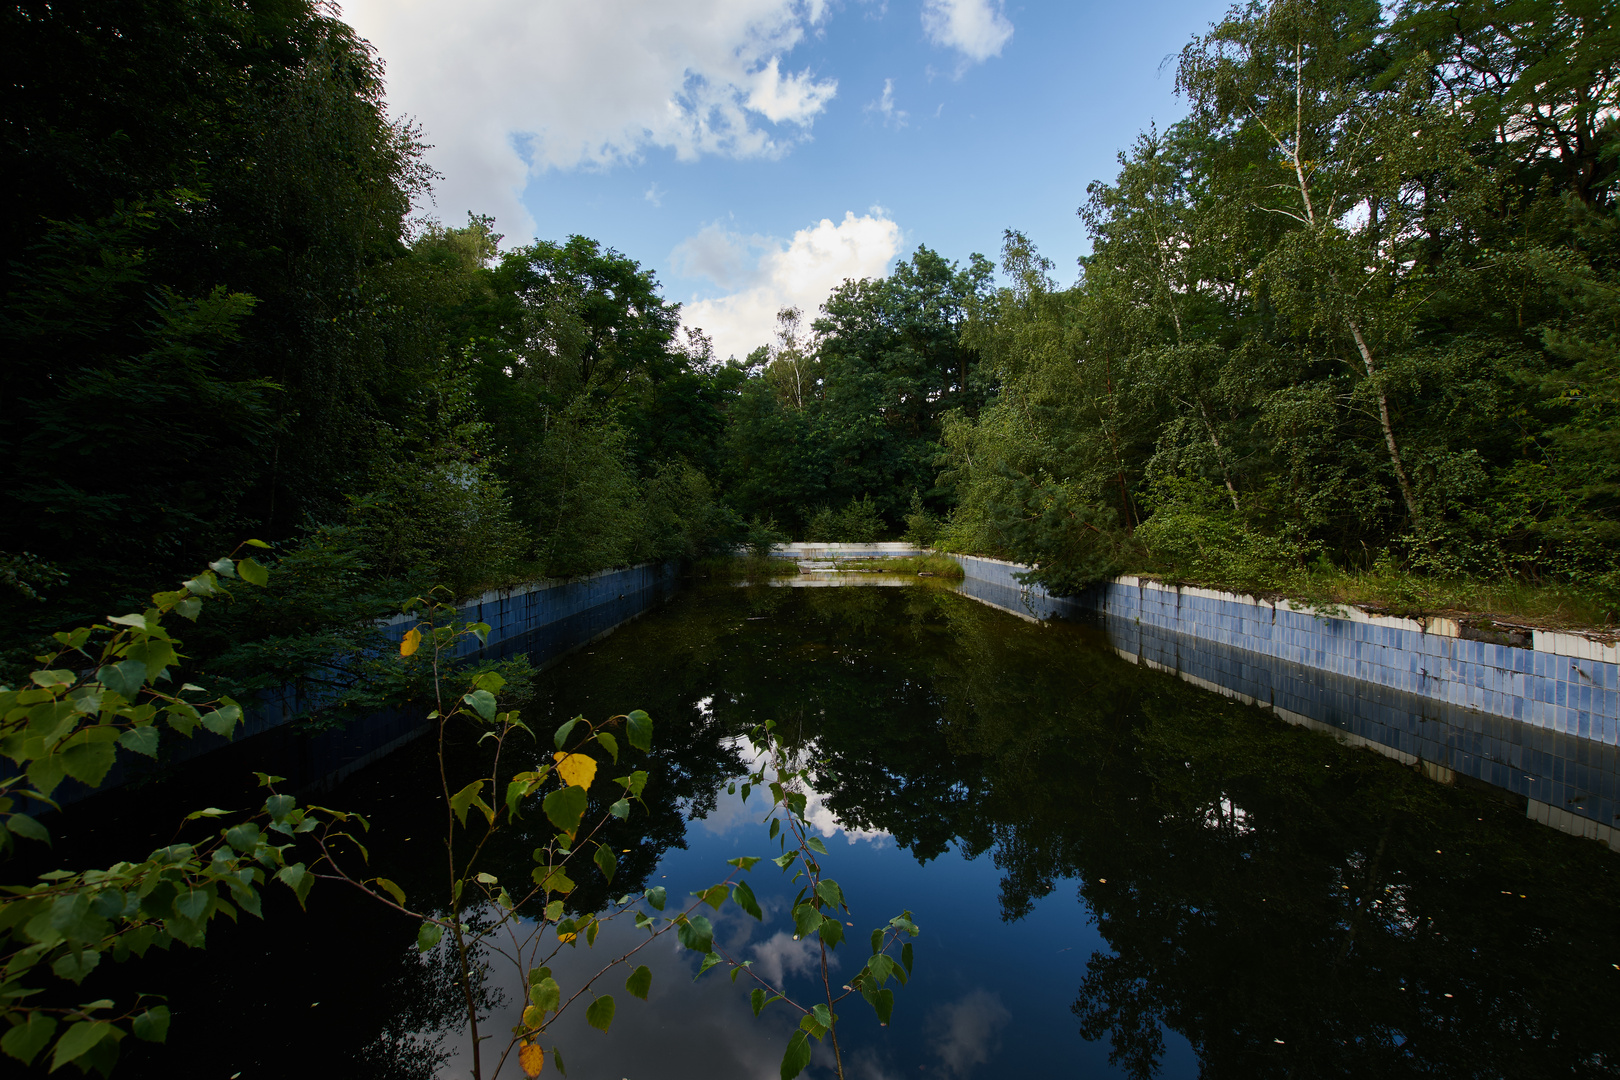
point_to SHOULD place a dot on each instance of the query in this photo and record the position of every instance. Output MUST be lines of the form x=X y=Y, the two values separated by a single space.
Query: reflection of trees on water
x=1274 y=897
x=1291 y=906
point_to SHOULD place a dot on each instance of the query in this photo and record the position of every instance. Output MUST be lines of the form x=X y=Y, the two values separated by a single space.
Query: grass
x=1505 y=602
x=746 y=568
x=941 y=566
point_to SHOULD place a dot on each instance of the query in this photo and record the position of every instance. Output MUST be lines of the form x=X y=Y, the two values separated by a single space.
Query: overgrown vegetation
x=1358 y=310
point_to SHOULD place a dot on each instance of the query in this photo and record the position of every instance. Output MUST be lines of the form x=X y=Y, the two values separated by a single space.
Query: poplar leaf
x=532 y=1058
x=640 y=982
x=599 y=1014
x=412 y=642
x=576 y=770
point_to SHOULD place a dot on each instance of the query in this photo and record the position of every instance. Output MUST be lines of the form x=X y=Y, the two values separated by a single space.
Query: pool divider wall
x=1419 y=693
x=546 y=619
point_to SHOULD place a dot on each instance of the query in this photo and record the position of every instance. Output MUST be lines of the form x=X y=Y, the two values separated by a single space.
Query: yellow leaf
x=576 y=770
x=413 y=639
x=567 y=939
x=532 y=1058
x=533 y=1016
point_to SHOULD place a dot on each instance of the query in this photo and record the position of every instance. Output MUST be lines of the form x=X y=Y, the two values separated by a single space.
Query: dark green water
x=1116 y=874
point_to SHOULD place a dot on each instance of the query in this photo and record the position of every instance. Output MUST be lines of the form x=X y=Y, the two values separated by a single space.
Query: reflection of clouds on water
x=683 y=1029
x=781 y=955
x=730 y=811
x=968 y=1030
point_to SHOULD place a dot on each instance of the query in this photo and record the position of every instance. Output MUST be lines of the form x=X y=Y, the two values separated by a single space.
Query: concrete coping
x=537 y=585
x=1574 y=646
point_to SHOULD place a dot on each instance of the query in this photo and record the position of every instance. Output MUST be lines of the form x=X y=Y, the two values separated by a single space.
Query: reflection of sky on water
x=989 y=999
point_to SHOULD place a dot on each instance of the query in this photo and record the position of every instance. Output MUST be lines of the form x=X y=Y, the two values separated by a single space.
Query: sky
x=756 y=153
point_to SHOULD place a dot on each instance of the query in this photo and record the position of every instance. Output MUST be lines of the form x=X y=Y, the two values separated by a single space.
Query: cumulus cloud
x=968 y=1031
x=506 y=89
x=767 y=275
x=781 y=955
x=975 y=28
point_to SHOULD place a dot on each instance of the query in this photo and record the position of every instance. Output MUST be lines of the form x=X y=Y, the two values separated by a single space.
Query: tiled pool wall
x=545 y=619
x=1538 y=722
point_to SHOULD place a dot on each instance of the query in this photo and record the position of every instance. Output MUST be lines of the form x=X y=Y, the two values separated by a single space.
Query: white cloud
x=968 y=1031
x=781 y=955
x=766 y=276
x=654 y=194
x=884 y=107
x=506 y=89
x=975 y=28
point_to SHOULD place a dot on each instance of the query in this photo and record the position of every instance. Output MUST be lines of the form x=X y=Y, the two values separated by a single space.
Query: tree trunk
x=1401 y=478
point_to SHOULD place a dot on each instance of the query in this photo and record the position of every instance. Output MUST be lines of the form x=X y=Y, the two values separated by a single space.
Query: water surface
x=1116 y=875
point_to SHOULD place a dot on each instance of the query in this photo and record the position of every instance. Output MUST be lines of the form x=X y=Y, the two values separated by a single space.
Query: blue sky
x=756 y=152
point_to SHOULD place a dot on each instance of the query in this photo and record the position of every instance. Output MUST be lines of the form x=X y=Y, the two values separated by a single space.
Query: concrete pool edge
x=1438 y=701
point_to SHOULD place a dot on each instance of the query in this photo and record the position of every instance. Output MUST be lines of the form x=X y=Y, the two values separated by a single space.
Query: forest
x=1357 y=311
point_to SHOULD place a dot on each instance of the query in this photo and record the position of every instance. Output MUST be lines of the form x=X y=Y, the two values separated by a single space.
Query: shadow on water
x=1116 y=874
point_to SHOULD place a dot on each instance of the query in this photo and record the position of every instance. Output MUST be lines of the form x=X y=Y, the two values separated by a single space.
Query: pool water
x=1115 y=875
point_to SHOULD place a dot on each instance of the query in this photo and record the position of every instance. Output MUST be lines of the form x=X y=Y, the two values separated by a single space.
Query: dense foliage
x=221 y=320
x=1360 y=304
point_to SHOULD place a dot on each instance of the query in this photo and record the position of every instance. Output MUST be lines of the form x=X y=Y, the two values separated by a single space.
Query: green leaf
x=621 y=809
x=609 y=743
x=605 y=861
x=482 y=702
x=823 y=1015
x=797 y=1056
x=599 y=1013
x=428 y=935
x=462 y=800
x=257 y=544
x=757 y=1000
x=714 y=896
x=832 y=932
x=744 y=862
x=883 y=1005
x=746 y=900
x=27 y=1039
x=223 y=720
x=392 y=890
x=153 y=1024
x=655 y=897
x=89 y=762
x=124 y=679
x=565 y=807
x=27 y=828
x=806 y=920
x=830 y=893
x=193 y=903
x=814 y=844
x=696 y=934
x=545 y=994
x=253 y=573
x=563 y=732
x=74 y=966
x=552 y=879
x=78 y=1040
x=556 y=1059
x=905 y=956
x=142 y=740
x=709 y=961
x=639 y=730
x=244 y=837
x=639 y=982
